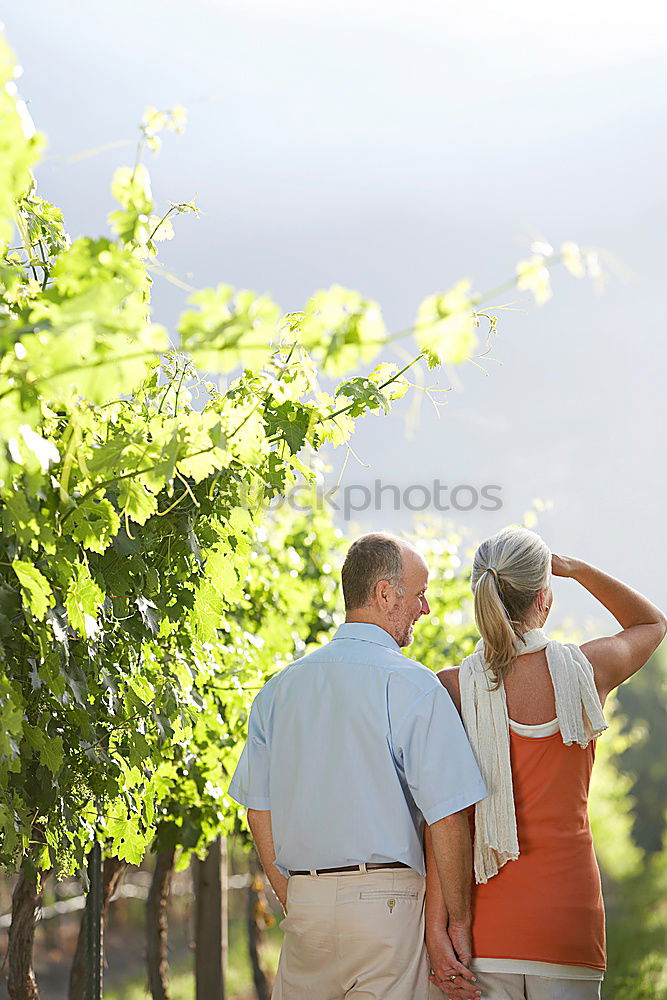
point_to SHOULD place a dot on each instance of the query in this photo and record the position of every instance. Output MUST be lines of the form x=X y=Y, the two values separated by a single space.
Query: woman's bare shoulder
x=449 y=678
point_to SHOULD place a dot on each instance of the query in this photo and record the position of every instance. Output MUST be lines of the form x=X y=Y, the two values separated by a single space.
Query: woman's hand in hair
x=617 y=657
x=563 y=565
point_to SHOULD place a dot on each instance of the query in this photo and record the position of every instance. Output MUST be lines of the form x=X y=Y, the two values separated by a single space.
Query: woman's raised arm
x=617 y=657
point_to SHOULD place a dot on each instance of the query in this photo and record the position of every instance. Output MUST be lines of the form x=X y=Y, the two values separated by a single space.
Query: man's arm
x=259 y=821
x=450 y=841
x=436 y=915
x=431 y=748
x=441 y=953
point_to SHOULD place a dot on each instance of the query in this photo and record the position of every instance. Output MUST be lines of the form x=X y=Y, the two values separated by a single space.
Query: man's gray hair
x=374 y=557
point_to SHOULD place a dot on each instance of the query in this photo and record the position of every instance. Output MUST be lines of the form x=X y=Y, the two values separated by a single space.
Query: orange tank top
x=547 y=905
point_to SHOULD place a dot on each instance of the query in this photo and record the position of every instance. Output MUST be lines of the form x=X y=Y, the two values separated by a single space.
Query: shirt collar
x=366 y=632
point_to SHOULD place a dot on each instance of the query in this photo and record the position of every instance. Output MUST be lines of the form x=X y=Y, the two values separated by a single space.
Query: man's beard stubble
x=406 y=635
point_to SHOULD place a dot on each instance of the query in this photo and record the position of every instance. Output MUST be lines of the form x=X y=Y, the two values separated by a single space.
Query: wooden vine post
x=112 y=872
x=211 y=922
x=94 y=924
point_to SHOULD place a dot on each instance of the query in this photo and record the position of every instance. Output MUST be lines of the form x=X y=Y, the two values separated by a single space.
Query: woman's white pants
x=508 y=986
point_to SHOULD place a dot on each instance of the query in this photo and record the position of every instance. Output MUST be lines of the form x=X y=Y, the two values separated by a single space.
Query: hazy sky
x=396 y=148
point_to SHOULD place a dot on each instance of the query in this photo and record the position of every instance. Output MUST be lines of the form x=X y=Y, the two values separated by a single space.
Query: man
x=349 y=750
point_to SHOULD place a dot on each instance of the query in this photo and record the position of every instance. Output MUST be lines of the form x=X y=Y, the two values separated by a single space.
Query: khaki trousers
x=357 y=935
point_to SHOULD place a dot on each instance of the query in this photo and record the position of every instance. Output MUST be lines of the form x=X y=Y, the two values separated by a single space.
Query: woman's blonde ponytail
x=509 y=569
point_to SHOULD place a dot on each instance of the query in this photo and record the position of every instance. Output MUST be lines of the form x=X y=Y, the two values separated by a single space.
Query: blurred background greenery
x=628 y=817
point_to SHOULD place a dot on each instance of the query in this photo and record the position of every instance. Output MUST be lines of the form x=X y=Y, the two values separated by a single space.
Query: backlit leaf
x=35 y=588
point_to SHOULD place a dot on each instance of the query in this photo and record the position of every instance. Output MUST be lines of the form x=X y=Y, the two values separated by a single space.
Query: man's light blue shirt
x=351 y=748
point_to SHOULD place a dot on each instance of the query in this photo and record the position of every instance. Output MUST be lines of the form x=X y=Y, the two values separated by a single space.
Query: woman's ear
x=542 y=601
x=547 y=599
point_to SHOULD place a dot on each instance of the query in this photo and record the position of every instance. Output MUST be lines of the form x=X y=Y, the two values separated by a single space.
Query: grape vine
x=141 y=600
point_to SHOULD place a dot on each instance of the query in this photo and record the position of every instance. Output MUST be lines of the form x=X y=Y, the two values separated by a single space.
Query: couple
x=361 y=765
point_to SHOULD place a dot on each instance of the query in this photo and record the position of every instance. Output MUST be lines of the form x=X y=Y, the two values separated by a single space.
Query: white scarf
x=485 y=718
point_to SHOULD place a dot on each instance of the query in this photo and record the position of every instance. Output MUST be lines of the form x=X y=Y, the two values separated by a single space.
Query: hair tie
x=491 y=569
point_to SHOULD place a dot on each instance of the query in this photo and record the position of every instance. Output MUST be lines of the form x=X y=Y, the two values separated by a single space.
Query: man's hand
x=448 y=920
x=448 y=973
x=259 y=821
x=282 y=899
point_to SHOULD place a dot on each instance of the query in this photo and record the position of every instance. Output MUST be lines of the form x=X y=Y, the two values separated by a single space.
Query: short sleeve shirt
x=352 y=747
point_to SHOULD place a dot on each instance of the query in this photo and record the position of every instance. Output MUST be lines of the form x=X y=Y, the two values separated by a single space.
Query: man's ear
x=382 y=593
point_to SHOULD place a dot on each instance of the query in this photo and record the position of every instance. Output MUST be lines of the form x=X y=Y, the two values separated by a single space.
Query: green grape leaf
x=132 y=189
x=340 y=329
x=20 y=519
x=389 y=373
x=94 y=523
x=364 y=394
x=11 y=724
x=222 y=575
x=198 y=467
x=128 y=843
x=446 y=324
x=135 y=500
x=240 y=520
x=149 y=614
x=10 y=607
x=229 y=328
x=291 y=423
x=533 y=275
x=83 y=602
x=36 y=590
x=52 y=754
x=19 y=145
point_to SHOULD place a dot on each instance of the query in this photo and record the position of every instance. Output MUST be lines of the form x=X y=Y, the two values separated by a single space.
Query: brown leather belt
x=352 y=868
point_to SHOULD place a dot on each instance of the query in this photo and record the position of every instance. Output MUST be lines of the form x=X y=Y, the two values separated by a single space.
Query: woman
x=532 y=709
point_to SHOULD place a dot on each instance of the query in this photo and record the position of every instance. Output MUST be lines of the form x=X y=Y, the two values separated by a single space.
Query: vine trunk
x=26 y=900
x=157 y=960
